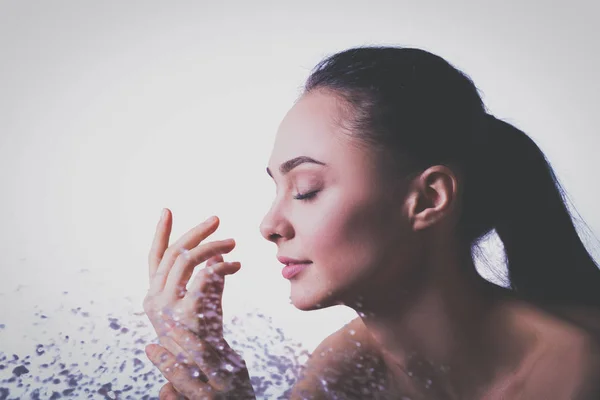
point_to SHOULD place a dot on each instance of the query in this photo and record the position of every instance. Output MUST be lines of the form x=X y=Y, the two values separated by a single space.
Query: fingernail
x=212 y=219
x=163 y=214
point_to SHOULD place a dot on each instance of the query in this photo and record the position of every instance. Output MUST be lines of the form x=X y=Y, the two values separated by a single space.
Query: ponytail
x=417 y=110
x=547 y=261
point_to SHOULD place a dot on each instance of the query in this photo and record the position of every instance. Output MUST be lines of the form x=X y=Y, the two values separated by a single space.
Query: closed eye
x=306 y=196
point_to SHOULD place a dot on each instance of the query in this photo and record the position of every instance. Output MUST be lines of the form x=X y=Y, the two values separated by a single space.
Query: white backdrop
x=110 y=111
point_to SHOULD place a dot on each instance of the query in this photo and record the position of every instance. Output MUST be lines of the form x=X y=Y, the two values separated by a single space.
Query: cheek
x=349 y=240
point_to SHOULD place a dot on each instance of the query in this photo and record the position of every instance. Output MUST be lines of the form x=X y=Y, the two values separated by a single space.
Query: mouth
x=292 y=269
x=297 y=263
x=289 y=260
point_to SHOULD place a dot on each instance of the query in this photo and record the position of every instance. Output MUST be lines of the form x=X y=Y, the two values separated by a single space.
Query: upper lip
x=288 y=260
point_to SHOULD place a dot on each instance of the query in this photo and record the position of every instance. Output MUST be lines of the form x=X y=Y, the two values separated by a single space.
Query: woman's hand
x=227 y=375
x=172 y=267
x=196 y=309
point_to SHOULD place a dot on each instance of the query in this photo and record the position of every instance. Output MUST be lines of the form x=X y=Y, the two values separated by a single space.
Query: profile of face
x=352 y=227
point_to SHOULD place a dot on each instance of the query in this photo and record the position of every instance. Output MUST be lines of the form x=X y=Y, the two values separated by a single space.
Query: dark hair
x=416 y=110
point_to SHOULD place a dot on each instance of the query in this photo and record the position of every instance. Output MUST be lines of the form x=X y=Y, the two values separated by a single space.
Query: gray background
x=111 y=110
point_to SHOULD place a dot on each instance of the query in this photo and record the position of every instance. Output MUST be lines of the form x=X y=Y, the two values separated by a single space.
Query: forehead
x=310 y=128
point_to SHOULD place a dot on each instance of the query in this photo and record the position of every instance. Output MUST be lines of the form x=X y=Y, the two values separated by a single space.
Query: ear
x=432 y=197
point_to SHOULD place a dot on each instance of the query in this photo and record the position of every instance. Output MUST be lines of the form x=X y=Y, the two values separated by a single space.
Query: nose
x=274 y=226
x=268 y=229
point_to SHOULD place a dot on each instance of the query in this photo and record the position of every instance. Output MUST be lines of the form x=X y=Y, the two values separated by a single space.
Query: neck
x=450 y=333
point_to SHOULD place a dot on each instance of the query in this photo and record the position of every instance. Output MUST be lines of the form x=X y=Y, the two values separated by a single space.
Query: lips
x=291 y=270
x=290 y=261
x=293 y=266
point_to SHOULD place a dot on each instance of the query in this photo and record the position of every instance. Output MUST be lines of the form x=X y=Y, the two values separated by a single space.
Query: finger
x=168 y=392
x=206 y=295
x=162 y=326
x=209 y=277
x=180 y=376
x=160 y=242
x=173 y=340
x=190 y=240
x=210 y=263
x=183 y=268
x=173 y=348
x=213 y=260
x=194 y=295
x=219 y=364
x=180 y=354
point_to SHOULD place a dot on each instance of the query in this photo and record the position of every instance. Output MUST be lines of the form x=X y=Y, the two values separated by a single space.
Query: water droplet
x=352 y=332
x=229 y=367
x=195 y=373
x=185 y=253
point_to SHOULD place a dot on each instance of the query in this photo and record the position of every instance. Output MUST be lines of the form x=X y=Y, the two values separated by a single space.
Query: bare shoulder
x=566 y=363
x=587 y=384
x=568 y=367
x=561 y=324
x=587 y=319
x=346 y=363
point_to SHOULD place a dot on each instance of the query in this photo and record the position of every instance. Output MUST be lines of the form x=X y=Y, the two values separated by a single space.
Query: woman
x=388 y=171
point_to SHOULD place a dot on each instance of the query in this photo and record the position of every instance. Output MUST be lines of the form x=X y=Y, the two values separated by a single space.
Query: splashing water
x=106 y=359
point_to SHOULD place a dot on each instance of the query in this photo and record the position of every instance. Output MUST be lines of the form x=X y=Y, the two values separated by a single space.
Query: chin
x=304 y=301
x=307 y=301
x=305 y=306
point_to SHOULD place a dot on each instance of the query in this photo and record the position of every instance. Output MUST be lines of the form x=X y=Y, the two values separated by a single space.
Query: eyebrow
x=293 y=163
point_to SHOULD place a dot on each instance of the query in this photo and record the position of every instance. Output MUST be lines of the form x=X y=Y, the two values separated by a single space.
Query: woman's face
x=352 y=229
